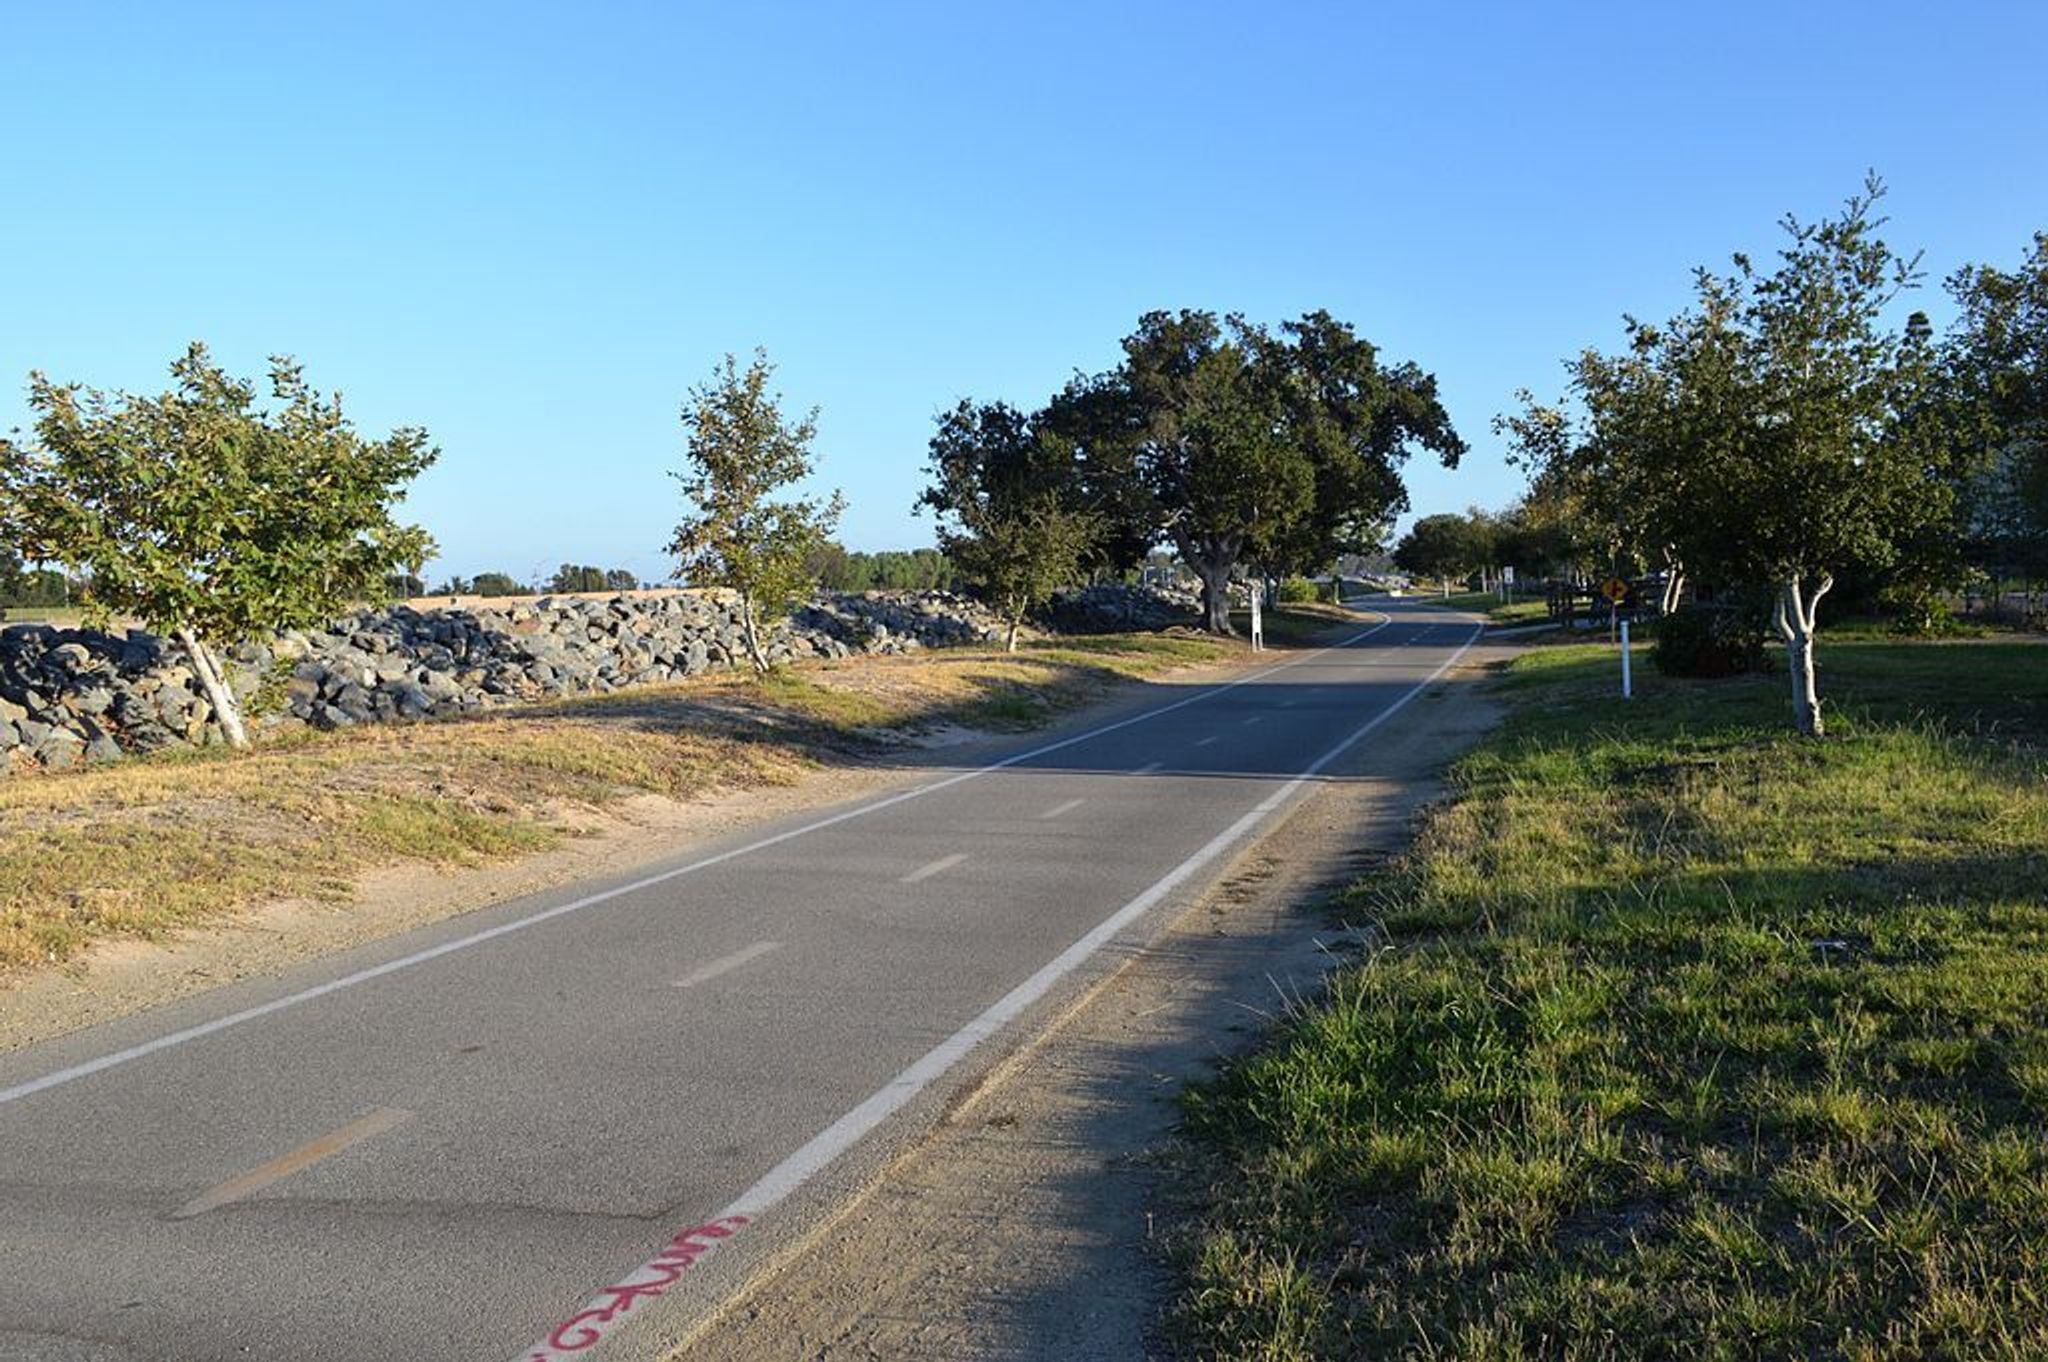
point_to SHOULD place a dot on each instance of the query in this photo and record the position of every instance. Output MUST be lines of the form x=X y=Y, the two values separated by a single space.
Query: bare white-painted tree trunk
x=226 y=711
x=1010 y=637
x=1674 y=583
x=752 y=633
x=1795 y=616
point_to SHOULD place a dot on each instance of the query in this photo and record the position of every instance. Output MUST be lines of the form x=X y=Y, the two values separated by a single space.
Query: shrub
x=1917 y=609
x=1296 y=589
x=1709 y=640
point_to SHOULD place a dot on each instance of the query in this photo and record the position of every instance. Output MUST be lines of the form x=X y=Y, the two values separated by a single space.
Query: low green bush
x=1294 y=590
x=1709 y=641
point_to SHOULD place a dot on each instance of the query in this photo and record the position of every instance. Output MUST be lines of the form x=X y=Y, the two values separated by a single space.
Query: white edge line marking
x=1056 y=810
x=925 y=872
x=827 y=1145
x=1254 y=718
x=305 y=1156
x=89 y=1067
x=1204 y=742
x=726 y=963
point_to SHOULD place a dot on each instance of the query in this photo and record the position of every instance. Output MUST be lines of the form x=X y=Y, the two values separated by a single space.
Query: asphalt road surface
x=566 y=1126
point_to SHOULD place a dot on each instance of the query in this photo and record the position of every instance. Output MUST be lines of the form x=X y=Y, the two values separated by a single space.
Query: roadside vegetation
x=1489 y=604
x=140 y=847
x=1677 y=1036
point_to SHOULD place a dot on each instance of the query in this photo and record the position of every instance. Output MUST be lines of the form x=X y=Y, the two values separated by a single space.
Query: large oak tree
x=1281 y=450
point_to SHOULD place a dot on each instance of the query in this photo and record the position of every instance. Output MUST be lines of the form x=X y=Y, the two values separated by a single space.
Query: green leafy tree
x=1004 y=493
x=498 y=584
x=1281 y=451
x=741 y=451
x=1608 y=470
x=571 y=577
x=838 y=569
x=1102 y=424
x=1811 y=458
x=1212 y=454
x=1443 y=547
x=619 y=579
x=1774 y=434
x=1995 y=367
x=210 y=516
x=1355 y=420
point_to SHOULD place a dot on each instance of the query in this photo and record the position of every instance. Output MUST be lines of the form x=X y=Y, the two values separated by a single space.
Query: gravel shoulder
x=1030 y=1223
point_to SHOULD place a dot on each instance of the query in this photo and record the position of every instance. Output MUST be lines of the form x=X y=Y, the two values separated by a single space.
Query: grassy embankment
x=1683 y=1038
x=142 y=846
x=1489 y=604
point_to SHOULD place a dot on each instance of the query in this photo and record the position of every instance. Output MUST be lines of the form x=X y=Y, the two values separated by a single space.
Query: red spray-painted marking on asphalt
x=584 y=1329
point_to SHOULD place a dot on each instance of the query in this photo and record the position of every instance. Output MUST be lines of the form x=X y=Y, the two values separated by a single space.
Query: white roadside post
x=1627 y=688
x=1258 y=620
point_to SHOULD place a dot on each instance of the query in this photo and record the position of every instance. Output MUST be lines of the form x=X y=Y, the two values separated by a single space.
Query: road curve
x=567 y=1125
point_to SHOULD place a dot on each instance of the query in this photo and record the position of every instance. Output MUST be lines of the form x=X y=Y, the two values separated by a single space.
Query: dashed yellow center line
x=300 y=1159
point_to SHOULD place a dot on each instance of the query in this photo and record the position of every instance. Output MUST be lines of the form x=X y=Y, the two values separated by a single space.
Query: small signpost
x=1616 y=591
x=1258 y=621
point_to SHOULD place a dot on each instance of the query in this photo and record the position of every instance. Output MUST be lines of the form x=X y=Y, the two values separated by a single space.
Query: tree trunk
x=752 y=633
x=1674 y=582
x=226 y=711
x=1795 y=616
x=1674 y=591
x=1212 y=559
x=1216 y=600
x=1010 y=638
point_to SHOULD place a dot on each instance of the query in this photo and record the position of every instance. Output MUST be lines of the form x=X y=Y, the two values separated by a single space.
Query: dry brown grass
x=142 y=847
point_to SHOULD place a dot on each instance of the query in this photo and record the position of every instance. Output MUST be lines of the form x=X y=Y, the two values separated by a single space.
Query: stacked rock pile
x=71 y=695
x=1109 y=607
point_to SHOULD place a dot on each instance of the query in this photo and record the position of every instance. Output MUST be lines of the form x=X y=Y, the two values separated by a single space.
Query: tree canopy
x=1995 y=369
x=741 y=451
x=1773 y=433
x=1245 y=446
x=1007 y=493
x=1442 y=547
x=210 y=515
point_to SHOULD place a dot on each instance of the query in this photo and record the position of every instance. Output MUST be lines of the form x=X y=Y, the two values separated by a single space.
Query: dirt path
x=1027 y=1226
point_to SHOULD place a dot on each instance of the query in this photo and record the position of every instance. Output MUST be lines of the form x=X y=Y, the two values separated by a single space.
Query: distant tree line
x=1452 y=547
x=567 y=578
x=838 y=568
x=22 y=586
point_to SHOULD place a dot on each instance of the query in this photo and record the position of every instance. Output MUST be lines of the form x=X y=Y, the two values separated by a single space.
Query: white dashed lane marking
x=925 y=872
x=726 y=963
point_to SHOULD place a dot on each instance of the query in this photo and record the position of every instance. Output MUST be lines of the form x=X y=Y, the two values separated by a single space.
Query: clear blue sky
x=531 y=228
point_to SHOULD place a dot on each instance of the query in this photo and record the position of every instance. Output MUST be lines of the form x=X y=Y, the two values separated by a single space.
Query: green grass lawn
x=1680 y=1038
x=1489 y=604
